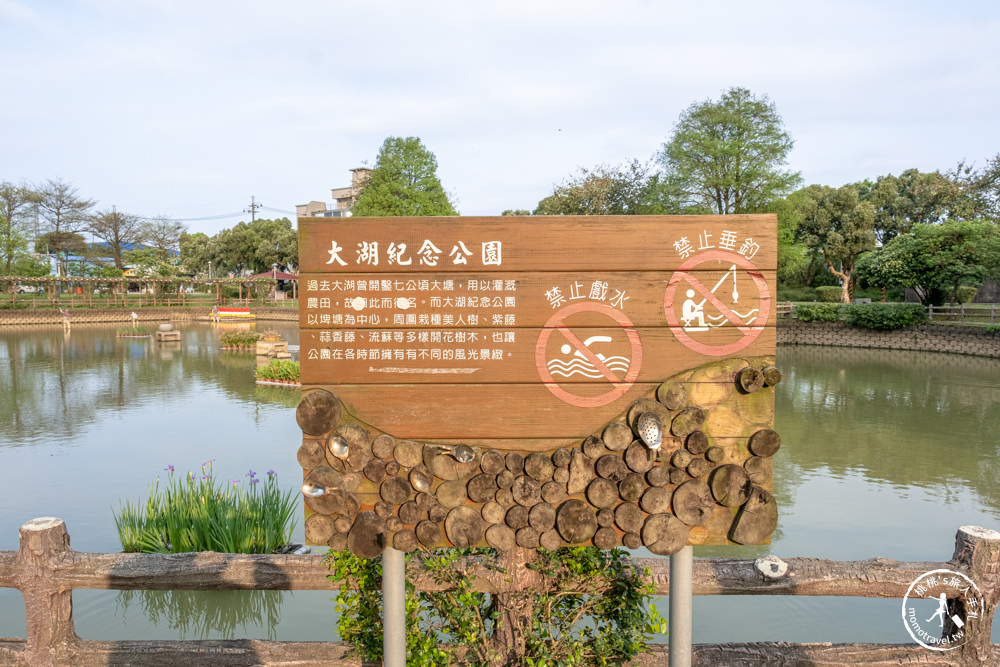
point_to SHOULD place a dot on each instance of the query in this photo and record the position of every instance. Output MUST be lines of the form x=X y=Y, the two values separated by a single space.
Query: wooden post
x=930 y=313
x=993 y=310
x=977 y=553
x=513 y=600
x=963 y=313
x=48 y=608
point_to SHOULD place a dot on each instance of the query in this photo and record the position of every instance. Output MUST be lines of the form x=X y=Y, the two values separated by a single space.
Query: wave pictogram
x=578 y=366
x=747 y=320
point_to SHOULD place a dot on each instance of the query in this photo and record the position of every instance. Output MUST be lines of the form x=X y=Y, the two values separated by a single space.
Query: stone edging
x=29 y=316
x=976 y=341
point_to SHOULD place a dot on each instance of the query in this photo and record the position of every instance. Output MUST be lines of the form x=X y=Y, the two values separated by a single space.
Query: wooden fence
x=985 y=313
x=46 y=571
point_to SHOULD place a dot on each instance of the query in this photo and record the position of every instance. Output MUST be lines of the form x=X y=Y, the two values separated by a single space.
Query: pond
x=885 y=453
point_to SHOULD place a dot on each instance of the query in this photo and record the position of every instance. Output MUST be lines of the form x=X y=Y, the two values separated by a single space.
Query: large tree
x=254 y=247
x=15 y=203
x=199 y=252
x=119 y=231
x=64 y=214
x=163 y=235
x=912 y=197
x=630 y=188
x=729 y=156
x=404 y=181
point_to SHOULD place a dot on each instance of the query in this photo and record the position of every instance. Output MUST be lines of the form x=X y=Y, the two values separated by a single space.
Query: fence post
x=963 y=313
x=993 y=311
x=930 y=313
x=48 y=608
x=977 y=551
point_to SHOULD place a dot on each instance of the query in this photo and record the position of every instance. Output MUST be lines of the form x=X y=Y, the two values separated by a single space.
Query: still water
x=885 y=454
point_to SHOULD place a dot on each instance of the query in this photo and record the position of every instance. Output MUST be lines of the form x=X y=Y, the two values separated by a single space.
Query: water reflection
x=207 y=614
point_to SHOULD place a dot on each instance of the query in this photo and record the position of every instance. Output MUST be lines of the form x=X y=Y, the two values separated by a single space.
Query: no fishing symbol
x=581 y=360
x=696 y=327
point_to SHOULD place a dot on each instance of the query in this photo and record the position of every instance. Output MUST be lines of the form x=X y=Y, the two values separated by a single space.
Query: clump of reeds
x=278 y=370
x=239 y=339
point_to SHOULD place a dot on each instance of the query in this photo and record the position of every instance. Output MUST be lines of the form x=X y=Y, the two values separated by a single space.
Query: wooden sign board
x=531 y=346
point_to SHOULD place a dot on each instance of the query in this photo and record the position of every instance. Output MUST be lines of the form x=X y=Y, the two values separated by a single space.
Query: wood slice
x=493 y=513
x=617 y=436
x=594 y=447
x=750 y=380
x=505 y=479
x=515 y=462
x=631 y=540
x=393 y=524
x=629 y=517
x=319 y=528
x=664 y=534
x=359 y=451
x=383 y=446
x=605 y=517
x=338 y=542
x=700 y=467
x=383 y=509
x=505 y=498
x=482 y=488
x=330 y=503
x=408 y=453
x=342 y=524
x=605 y=538
x=311 y=454
x=335 y=463
x=464 y=527
x=672 y=395
x=542 y=517
x=550 y=540
x=395 y=490
x=756 y=520
x=772 y=376
x=500 y=537
x=632 y=487
x=421 y=478
x=560 y=475
x=492 y=462
x=517 y=517
x=687 y=421
x=602 y=493
x=611 y=466
x=405 y=541
x=678 y=476
x=425 y=501
x=352 y=480
x=715 y=454
x=392 y=468
x=375 y=470
x=647 y=405
x=367 y=538
x=351 y=505
x=639 y=457
x=539 y=467
x=730 y=485
x=658 y=476
x=527 y=538
x=765 y=442
x=656 y=500
x=438 y=513
x=581 y=471
x=693 y=503
x=469 y=469
x=451 y=494
x=759 y=469
x=697 y=442
x=681 y=458
x=553 y=493
x=319 y=412
x=409 y=513
x=560 y=458
x=526 y=491
x=575 y=521
x=428 y=533
x=440 y=463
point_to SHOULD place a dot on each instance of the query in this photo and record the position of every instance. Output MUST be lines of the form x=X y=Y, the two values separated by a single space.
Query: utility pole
x=253 y=208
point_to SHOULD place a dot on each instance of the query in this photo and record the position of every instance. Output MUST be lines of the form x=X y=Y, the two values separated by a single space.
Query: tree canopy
x=119 y=231
x=15 y=203
x=252 y=247
x=630 y=188
x=404 y=181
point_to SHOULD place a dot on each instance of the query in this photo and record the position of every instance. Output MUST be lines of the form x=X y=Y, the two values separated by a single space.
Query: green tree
x=839 y=225
x=254 y=247
x=624 y=189
x=908 y=199
x=516 y=211
x=15 y=203
x=64 y=213
x=197 y=251
x=403 y=182
x=728 y=156
x=162 y=234
x=119 y=231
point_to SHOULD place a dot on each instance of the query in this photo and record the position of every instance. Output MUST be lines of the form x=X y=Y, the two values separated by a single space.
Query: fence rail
x=965 y=314
x=46 y=571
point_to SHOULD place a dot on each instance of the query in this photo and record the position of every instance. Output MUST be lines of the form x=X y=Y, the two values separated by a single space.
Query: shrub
x=885 y=316
x=817 y=312
x=797 y=294
x=133 y=331
x=965 y=294
x=278 y=369
x=829 y=294
x=239 y=339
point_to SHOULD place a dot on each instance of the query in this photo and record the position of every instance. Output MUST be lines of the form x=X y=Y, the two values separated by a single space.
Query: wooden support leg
x=977 y=554
x=514 y=584
x=48 y=608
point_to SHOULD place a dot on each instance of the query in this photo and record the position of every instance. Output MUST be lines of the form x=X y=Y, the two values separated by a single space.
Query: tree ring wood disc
x=759 y=469
x=392 y=468
x=751 y=380
x=342 y=524
x=560 y=476
x=505 y=498
x=517 y=517
x=395 y=490
x=405 y=541
x=639 y=457
x=526 y=491
x=375 y=470
x=428 y=533
x=352 y=480
x=550 y=540
x=527 y=538
x=542 y=517
x=351 y=505
x=441 y=463
x=311 y=454
x=617 y=436
x=553 y=493
x=464 y=527
x=594 y=447
x=515 y=462
x=359 y=451
x=700 y=467
x=581 y=471
x=493 y=513
x=333 y=500
x=664 y=534
x=730 y=485
x=687 y=421
x=492 y=462
x=393 y=524
x=500 y=537
x=451 y=494
x=632 y=487
x=437 y=513
x=772 y=376
x=658 y=476
x=602 y=493
x=631 y=540
x=605 y=517
x=425 y=501
x=756 y=520
x=647 y=405
x=409 y=513
x=606 y=538
x=383 y=446
x=678 y=476
x=539 y=467
x=482 y=488
x=629 y=517
x=576 y=521
x=560 y=458
x=681 y=458
x=693 y=503
x=505 y=479
x=697 y=442
x=319 y=528
x=656 y=500
x=408 y=453
x=715 y=454
x=367 y=538
x=611 y=466
x=318 y=413
x=765 y=442
x=338 y=542
x=384 y=509
x=672 y=395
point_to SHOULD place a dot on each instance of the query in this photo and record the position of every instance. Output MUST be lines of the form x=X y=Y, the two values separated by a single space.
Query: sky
x=190 y=109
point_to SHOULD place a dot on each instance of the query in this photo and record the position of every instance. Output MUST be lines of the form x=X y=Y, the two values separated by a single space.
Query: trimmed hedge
x=965 y=294
x=817 y=312
x=885 y=316
x=829 y=294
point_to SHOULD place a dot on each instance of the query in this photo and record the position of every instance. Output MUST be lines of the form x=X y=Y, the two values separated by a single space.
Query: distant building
x=343 y=198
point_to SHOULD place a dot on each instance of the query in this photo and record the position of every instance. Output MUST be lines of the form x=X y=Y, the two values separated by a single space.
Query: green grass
x=278 y=369
x=202 y=513
x=239 y=339
x=133 y=331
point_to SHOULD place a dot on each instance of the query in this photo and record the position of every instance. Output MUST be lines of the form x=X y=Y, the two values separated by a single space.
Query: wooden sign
x=482 y=381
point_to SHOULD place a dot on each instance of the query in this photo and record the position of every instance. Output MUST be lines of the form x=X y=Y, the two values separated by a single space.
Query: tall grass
x=239 y=338
x=205 y=514
x=278 y=369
